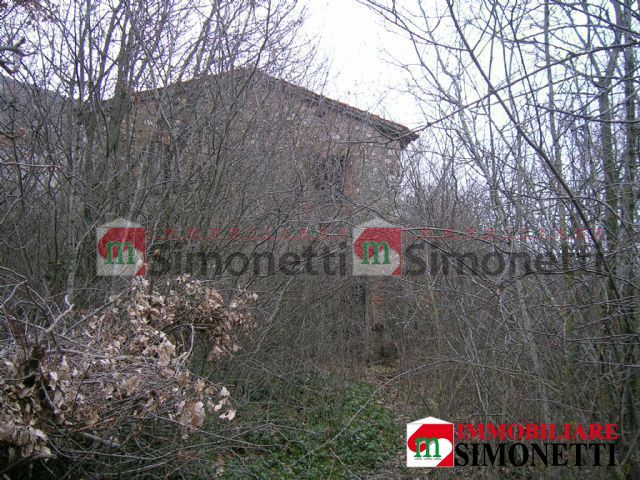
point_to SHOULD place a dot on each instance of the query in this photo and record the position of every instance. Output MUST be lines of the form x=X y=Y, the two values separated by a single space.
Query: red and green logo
x=121 y=249
x=430 y=443
x=377 y=249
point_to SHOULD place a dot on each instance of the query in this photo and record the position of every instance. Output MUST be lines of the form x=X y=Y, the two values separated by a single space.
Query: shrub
x=112 y=391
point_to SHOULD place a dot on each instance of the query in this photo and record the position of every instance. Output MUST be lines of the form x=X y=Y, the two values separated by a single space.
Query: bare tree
x=531 y=109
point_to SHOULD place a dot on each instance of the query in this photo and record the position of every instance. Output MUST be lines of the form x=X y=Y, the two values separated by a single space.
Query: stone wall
x=268 y=135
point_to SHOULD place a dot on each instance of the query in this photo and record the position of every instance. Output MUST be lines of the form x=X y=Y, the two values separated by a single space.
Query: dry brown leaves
x=119 y=369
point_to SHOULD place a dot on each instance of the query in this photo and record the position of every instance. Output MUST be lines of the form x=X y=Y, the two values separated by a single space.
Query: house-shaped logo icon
x=430 y=443
x=377 y=249
x=120 y=249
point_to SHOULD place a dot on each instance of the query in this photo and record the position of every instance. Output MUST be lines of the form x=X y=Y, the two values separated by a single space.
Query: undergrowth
x=313 y=426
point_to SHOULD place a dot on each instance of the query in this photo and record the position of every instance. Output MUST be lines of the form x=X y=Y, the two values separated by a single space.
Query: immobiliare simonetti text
x=569 y=445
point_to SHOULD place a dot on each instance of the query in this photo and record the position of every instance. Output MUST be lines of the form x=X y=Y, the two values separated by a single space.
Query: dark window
x=329 y=175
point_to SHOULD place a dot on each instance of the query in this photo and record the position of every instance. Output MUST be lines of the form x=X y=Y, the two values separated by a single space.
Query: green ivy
x=317 y=426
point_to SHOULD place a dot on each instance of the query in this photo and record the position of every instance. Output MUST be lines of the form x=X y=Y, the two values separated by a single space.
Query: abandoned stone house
x=328 y=158
x=272 y=145
x=251 y=127
x=241 y=150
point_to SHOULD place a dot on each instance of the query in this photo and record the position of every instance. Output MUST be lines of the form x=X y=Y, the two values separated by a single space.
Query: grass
x=313 y=426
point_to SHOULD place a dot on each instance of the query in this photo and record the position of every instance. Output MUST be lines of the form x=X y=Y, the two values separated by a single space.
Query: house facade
x=275 y=157
x=240 y=152
x=342 y=160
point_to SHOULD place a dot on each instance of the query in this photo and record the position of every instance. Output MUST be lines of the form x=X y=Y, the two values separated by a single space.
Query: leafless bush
x=114 y=382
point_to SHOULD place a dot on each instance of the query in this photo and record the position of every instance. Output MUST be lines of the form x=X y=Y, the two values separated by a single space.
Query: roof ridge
x=397 y=130
x=389 y=128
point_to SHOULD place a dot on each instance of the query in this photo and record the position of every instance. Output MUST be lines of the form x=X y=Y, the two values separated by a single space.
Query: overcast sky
x=358 y=46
